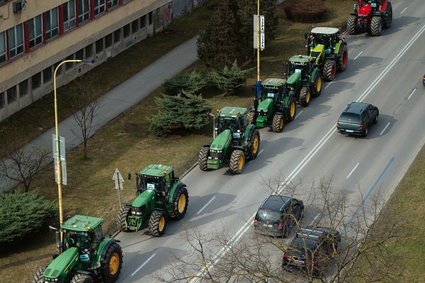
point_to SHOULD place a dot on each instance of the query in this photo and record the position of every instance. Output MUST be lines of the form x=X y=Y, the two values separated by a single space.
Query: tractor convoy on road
x=84 y=254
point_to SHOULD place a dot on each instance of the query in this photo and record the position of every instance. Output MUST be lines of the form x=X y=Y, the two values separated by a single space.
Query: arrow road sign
x=119 y=180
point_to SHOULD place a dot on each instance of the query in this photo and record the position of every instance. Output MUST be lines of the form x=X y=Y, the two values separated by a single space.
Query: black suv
x=276 y=215
x=312 y=249
x=357 y=118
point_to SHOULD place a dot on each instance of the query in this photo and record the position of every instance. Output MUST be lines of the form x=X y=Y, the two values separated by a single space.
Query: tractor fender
x=337 y=47
x=287 y=101
x=103 y=248
x=173 y=192
x=378 y=14
x=206 y=145
x=239 y=147
x=384 y=6
x=313 y=76
x=247 y=134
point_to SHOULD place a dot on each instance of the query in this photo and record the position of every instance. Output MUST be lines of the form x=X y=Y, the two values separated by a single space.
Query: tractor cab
x=322 y=40
x=272 y=88
x=298 y=68
x=157 y=178
x=233 y=119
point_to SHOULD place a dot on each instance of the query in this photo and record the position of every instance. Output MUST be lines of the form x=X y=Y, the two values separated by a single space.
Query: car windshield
x=349 y=117
x=268 y=215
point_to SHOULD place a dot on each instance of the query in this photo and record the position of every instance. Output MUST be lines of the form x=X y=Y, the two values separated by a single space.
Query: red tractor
x=371 y=16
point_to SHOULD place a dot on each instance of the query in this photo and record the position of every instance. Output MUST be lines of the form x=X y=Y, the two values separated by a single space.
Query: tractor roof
x=274 y=82
x=82 y=223
x=233 y=112
x=300 y=59
x=323 y=30
x=156 y=170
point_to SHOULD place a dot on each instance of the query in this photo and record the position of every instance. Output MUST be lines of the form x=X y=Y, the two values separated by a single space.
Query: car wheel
x=376 y=119
x=365 y=132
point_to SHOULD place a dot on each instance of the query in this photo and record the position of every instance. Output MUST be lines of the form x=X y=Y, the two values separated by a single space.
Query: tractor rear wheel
x=329 y=70
x=305 y=96
x=237 y=161
x=254 y=141
x=203 y=158
x=250 y=117
x=81 y=278
x=376 y=26
x=122 y=217
x=388 y=16
x=352 y=24
x=278 y=123
x=343 y=59
x=181 y=200
x=318 y=85
x=157 y=223
x=111 y=263
x=38 y=276
x=292 y=110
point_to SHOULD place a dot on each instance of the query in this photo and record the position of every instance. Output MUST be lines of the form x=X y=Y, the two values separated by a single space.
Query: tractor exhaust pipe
x=214 y=125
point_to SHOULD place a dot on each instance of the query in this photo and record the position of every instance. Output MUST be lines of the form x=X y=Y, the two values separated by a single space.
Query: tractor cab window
x=269 y=93
x=167 y=181
x=232 y=124
x=153 y=183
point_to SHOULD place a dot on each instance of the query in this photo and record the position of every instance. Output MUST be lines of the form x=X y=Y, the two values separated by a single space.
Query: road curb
x=188 y=170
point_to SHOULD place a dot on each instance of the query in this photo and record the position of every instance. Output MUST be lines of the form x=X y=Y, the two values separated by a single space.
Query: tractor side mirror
x=53 y=228
x=129 y=176
x=306 y=36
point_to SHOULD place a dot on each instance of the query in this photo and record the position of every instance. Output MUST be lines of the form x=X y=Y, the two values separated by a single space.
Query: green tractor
x=274 y=106
x=159 y=196
x=83 y=255
x=235 y=140
x=329 y=49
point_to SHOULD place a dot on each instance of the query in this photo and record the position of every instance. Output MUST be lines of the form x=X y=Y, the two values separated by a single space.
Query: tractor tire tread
x=303 y=97
x=177 y=214
x=122 y=217
x=154 y=223
x=276 y=123
x=328 y=70
x=234 y=161
x=38 y=276
x=81 y=278
x=351 y=24
x=376 y=26
x=203 y=158
x=104 y=264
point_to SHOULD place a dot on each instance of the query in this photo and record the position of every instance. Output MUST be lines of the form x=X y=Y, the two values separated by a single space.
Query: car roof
x=356 y=107
x=275 y=202
x=325 y=30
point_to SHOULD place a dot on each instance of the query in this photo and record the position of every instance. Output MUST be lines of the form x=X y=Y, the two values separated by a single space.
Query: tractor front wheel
x=38 y=276
x=292 y=110
x=255 y=143
x=250 y=117
x=329 y=70
x=343 y=59
x=81 y=278
x=122 y=217
x=157 y=223
x=376 y=26
x=181 y=200
x=352 y=24
x=318 y=85
x=203 y=158
x=111 y=263
x=278 y=123
x=305 y=96
x=237 y=161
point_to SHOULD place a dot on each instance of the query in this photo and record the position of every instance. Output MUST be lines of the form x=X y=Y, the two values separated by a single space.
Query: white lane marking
x=140 y=267
x=314 y=220
x=391 y=65
x=199 y=212
x=299 y=113
x=404 y=10
x=413 y=91
x=358 y=55
x=327 y=85
x=352 y=171
x=304 y=162
x=260 y=152
x=385 y=128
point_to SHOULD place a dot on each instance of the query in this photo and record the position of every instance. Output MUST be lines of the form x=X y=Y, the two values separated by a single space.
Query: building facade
x=36 y=35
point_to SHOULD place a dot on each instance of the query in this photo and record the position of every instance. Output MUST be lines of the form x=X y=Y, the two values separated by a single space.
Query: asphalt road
x=385 y=71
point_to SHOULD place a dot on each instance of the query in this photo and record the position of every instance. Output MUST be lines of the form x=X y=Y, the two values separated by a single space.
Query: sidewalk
x=119 y=99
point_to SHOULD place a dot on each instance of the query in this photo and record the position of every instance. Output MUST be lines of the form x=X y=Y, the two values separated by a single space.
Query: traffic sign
x=119 y=180
x=62 y=158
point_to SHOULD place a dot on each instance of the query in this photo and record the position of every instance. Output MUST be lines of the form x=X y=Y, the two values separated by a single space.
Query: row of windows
x=46 y=76
x=23 y=37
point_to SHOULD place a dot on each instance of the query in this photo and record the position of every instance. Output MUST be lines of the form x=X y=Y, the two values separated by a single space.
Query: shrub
x=228 y=80
x=22 y=214
x=192 y=83
x=306 y=11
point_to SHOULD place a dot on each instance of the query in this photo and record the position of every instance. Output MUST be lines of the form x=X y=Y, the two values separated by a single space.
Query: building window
x=150 y=18
x=36 y=81
x=36 y=33
x=99 y=7
x=143 y=21
x=1 y=100
x=112 y=3
x=99 y=46
x=69 y=65
x=23 y=88
x=47 y=74
x=16 y=40
x=126 y=30
x=2 y=47
x=117 y=35
x=80 y=54
x=108 y=40
x=135 y=26
x=89 y=51
x=51 y=23
x=83 y=10
x=69 y=15
x=11 y=94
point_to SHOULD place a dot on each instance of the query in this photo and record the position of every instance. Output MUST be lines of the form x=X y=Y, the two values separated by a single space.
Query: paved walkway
x=120 y=99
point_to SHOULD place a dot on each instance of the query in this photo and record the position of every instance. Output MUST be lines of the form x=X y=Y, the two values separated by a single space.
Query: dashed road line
x=299 y=113
x=404 y=10
x=389 y=123
x=210 y=201
x=140 y=267
x=410 y=95
x=352 y=171
x=358 y=55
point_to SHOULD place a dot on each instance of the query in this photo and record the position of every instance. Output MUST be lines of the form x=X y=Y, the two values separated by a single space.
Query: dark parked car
x=277 y=215
x=312 y=249
x=423 y=80
x=357 y=118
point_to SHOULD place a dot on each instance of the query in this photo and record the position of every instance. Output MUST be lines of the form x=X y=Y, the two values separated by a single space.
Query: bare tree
x=258 y=258
x=85 y=104
x=22 y=164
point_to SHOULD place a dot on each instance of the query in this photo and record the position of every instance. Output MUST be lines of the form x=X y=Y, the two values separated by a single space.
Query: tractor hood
x=222 y=140
x=62 y=264
x=365 y=10
x=145 y=197
x=295 y=77
x=265 y=105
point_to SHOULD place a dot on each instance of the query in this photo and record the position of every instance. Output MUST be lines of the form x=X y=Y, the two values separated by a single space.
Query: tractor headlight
x=136 y=211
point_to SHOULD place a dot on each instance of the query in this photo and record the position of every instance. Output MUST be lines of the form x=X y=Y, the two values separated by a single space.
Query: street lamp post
x=58 y=162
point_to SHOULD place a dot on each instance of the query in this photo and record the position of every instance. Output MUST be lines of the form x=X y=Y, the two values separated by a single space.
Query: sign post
x=259 y=43
x=119 y=184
